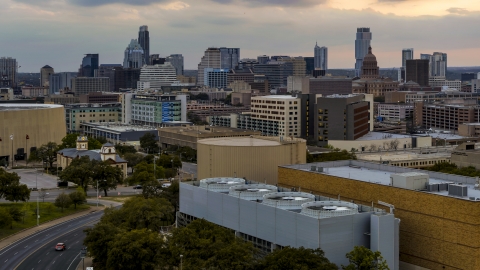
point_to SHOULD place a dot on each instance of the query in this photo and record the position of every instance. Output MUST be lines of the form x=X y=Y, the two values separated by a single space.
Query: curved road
x=37 y=250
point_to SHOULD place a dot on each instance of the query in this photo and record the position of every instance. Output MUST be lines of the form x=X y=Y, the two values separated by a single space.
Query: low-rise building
x=118 y=133
x=439 y=81
x=100 y=97
x=34 y=91
x=62 y=99
x=469 y=129
x=467 y=154
x=6 y=94
x=395 y=112
x=77 y=114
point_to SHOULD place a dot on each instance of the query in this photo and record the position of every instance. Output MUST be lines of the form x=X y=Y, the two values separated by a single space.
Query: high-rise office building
x=159 y=75
x=310 y=65
x=407 y=54
x=263 y=59
x=8 y=72
x=85 y=85
x=211 y=59
x=108 y=70
x=229 y=57
x=299 y=65
x=152 y=58
x=126 y=78
x=276 y=72
x=437 y=63
x=134 y=55
x=177 y=61
x=321 y=57
x=89 y=65
x=362 y=42
x=45 y=73
x=215 y=77
x=417 y=70
x=468 y=76
x=61 y=80
x=144 y=41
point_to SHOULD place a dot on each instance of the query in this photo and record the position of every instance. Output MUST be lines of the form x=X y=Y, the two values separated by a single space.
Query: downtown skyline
x=60 y=32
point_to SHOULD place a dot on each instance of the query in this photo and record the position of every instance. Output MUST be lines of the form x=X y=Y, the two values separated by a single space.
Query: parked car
x=60 y=247
x=166 y=185
x=34 y=189
x=137 y=187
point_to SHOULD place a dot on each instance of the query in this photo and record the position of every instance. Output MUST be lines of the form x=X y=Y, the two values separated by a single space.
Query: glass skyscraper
x=321 y=57
x=407 y=54
x=362 y=42
x=144 y=41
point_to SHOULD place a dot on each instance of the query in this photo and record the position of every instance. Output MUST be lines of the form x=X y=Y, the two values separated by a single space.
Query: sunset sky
x=59 y=32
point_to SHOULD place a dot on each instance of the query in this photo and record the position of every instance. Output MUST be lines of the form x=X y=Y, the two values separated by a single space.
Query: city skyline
x=189 y=27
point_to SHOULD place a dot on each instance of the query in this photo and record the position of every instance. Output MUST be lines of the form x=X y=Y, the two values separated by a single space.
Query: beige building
x=42 y=123
x=255 y=158
x=34 y=91
x=284 y=110
x=466 y=154
x=211 y=59
x=107 y=154
x=299 y=64
x=45 y=73
x=62 y=99
x=469 y=129
x=6 y=93
x=76 y=114
x=189 y=136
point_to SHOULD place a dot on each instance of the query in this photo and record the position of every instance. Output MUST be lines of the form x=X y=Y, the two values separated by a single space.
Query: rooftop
x=402 y=156
x=382 y=136
x=26 y=106
x=197 y=130
x=249 y=141
x=380 y=174
x=120 y=128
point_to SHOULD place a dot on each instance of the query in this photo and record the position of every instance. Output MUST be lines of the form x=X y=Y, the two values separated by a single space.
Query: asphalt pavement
x=36 y=251
x=36 y=178
x=190 y=168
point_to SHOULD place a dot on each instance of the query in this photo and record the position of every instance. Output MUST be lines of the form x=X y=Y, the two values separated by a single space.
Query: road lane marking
x=6 y=260
x=15 y=253
x=25 y=246
x=73 y=261
x=53 y=262
x=48 y=252
x=39 y=261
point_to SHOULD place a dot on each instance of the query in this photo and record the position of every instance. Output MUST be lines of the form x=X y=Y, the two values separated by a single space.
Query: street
x=190 y=168
x=35 y=178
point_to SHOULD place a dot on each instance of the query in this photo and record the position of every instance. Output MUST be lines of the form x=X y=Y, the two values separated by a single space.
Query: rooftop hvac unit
x=313 y=168
x=457 y=190
x=320 y=169
x=288 y=200
x=442 y=186
x=252 y=192
x=410 y=180
x=433 y=187
x=221 y=184
x=327 y=209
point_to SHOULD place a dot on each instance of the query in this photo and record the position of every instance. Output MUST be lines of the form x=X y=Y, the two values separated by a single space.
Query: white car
x=166 y=185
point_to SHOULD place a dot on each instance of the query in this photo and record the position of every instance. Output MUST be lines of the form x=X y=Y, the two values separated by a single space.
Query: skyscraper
x=8 y=71
x=437 y=63
x=144 y=41
x=229 y=57
x=45 y=73
x=321 y=57
x=263 y=59
x=158 y=75
x=108 y=70
x=60 y=81
x=407 y=54
x=89 y=65
x=177 y=61
x=211 y=59
x=417 y=71
x=362 y=43
x=134 y=55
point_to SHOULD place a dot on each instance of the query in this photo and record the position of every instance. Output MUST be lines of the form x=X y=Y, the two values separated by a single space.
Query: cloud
x=89 y=3
x=280 y=3
x=458 y=11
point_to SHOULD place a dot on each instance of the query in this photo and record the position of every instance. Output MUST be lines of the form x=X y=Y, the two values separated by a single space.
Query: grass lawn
x=120 y=199
x=48 y=211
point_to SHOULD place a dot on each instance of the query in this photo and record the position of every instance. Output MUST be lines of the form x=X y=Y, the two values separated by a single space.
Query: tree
x=336 y=154
x=394 y=144
x=5 y=218
x=133 y=159
x=69 y=141
x=63 y=201
x=144 y=173
x=98 y=241
x=94 y=144
x=42 y=194
x=297 y=258
x=25 y=211
x=108 y=176
x=362 y=258
x=79 y=172
x=137 y=249
x=373 y=147
x=78 y=197
x=17 y=192
x=123 y=149
x=149 y=143
x=46 y=153
x=7 y=179
x=101 y=140
x=152 y=214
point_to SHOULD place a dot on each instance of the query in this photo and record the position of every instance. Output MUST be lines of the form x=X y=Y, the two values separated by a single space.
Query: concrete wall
x=258 y=163
x=348 y=145
x=436 y=232
x=42 y=125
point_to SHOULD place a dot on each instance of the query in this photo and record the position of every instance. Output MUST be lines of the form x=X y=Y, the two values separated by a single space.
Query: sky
x=59 y=32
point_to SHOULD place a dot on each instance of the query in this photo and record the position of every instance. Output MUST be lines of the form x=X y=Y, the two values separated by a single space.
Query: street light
x=97 y=190
x=181 y=256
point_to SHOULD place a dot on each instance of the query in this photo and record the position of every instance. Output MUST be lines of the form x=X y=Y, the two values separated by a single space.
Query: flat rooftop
x=380 y=174
x=402 y=156
x=26 y=106
x=382 y=136
x=249 y=141
x=197 y=130
x=120 y=128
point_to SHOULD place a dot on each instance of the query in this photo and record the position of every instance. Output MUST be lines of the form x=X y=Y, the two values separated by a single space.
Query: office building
x=310 y=65
x=144 y=41
x=245 y=75
x=76 y=114
x=321 y=57
x=362 y=43
x=159 y=75
x=85 y=85
x=177 y=61
x=99 y=98
x=34 y=91
x=407 y=54
x=468 y=77
x=270 y=219
x=275 y=72
x=437 y=63
x=118 y=133
x=134 y=56
x=8 y=72
x=45 y=73
x=438 y=228
x=41 y=122
x=108 y=70
x=6 y=93
x=89 y=64
x=417 y=70
x=229 y=57
x=60 y=81
x=263 y=59
x=126 y=78
x=298 y=64
x=328 y=86
x=445 y=116
x=438 y=81
x=211 y=59
x=256 y=158
x=61 y=99
x=341 y=117
x=395 y=112
x=215 y=77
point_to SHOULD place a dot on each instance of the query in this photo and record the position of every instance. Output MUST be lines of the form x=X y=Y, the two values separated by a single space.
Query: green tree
x=296 y=258
x=25 y=211
x=334 y=155
x=133 y=159
x=101 y=140
x=6 y=219
x=144 y=173
x=49 y=208
x=17 y=192
x=15 y=213
x=125 y=149
x=79 y=172
x=149 y=143
x=140 y=213
x=94 y=144
x=108 y=176
x=78 y=197
x=46 y=153
x=99 y=240
x=63 y=201
x=362 y=258
x=69 y=141
x=137 y=249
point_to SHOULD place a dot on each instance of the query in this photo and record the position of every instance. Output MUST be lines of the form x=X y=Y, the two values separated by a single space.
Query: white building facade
x=159 y=75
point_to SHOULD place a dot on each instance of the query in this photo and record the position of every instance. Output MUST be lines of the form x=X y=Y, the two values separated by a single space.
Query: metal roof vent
x=221 y=184
x=288 y=200
x=252 y=192
x=327 y=209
